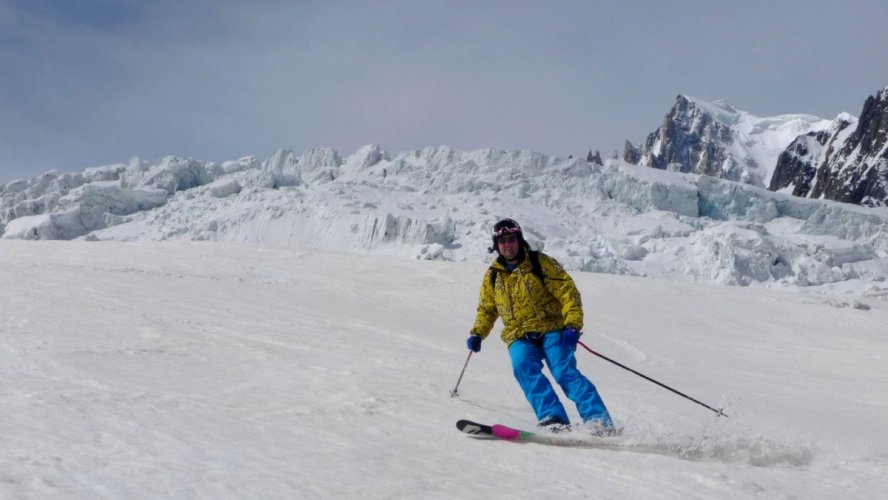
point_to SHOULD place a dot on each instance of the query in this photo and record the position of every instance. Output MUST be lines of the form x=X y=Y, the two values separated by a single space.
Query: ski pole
x=453 y=393
x=718 y=412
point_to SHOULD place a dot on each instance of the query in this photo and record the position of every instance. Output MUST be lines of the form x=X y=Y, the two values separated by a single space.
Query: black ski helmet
x=507 y=226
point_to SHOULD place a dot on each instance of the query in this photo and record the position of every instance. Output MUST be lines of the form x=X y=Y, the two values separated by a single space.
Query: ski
x=506 y=433
x=475 y=429
x=492 y=431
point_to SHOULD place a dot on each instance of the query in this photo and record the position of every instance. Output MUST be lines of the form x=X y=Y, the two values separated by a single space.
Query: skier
x=543 y=317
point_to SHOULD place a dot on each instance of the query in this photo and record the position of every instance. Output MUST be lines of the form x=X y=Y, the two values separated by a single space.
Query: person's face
x=508 y=246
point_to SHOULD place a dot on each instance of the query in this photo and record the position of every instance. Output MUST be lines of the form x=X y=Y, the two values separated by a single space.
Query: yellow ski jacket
x=525 y=303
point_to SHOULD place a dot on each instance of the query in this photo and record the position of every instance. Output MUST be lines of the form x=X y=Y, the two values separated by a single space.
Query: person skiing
x=542 y=318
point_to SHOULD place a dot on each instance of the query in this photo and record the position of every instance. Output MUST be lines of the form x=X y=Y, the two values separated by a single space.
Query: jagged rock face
x=690 y=140
x=632 y=153
x=795 y=166
x=594 y=159
x=850 y=165
x=858 y=172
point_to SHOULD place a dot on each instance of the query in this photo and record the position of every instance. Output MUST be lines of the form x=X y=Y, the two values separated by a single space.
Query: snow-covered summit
x=440 y=203
x=717 y=139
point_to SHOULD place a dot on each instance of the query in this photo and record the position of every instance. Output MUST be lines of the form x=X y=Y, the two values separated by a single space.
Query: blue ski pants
x=528 y=355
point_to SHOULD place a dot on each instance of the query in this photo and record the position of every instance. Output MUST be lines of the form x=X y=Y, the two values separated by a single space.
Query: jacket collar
x=501 y=265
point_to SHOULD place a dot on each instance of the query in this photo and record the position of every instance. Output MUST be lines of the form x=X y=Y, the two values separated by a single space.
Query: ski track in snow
x=198 y=370
x=757 y=451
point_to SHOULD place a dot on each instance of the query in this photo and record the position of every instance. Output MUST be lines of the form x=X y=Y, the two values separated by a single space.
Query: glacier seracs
x=439 y=203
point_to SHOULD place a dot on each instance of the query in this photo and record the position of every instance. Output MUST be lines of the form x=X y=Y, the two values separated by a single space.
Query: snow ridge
x=440 y=203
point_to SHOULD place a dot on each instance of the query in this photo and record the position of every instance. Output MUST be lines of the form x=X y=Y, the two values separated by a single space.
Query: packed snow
x=212 y=370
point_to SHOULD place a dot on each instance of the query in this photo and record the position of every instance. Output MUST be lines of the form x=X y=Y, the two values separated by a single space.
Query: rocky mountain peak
x=717 y=139
x=849 y=163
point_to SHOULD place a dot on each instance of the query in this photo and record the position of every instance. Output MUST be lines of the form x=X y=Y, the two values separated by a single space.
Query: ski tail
x=475 y=429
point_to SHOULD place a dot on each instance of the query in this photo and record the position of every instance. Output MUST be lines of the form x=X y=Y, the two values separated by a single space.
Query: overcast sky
x=94 y=82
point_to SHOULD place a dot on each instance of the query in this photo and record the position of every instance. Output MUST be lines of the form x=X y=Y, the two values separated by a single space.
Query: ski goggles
x=497 y=232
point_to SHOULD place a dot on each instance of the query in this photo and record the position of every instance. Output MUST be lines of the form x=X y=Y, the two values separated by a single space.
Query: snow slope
x=207 y=370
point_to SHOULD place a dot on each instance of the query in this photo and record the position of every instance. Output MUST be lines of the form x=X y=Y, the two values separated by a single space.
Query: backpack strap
x=535 y=265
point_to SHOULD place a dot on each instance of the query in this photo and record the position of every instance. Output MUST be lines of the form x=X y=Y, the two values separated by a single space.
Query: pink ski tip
x=506 y=432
